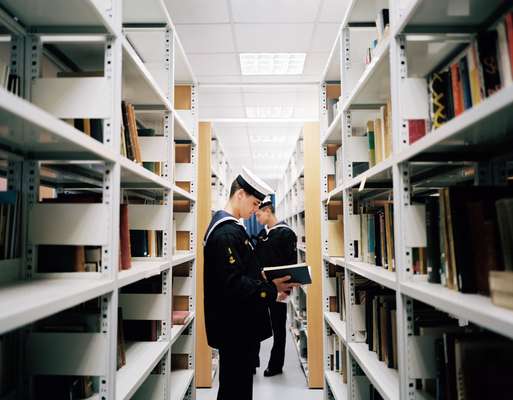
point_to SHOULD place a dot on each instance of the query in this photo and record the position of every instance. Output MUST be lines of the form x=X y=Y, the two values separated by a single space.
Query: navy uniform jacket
x=236 y=296
x=277 y=246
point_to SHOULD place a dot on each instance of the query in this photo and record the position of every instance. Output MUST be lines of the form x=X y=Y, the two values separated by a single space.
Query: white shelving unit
x=398 y=59
x=143 y=63
x=222 y=175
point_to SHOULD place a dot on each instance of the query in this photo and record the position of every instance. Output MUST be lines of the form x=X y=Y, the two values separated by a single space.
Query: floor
x=290 y=385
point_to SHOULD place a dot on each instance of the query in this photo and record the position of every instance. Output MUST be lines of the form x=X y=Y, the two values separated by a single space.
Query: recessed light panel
x=272 y=63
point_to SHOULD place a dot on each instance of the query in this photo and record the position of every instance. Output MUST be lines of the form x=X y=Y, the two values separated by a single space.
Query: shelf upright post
x=402 y=200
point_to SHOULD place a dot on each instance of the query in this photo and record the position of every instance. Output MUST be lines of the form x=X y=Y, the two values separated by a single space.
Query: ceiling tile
x=221 y=112
x=220 y=99
x=214 y=64
x=274 y=38
x=206 y=38
x=266 y=11
x=324 y=37
x=333 y=10
x=198 y=11
x=269 y=99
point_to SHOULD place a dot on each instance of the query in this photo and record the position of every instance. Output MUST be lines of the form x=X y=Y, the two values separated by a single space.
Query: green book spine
x=372 y=149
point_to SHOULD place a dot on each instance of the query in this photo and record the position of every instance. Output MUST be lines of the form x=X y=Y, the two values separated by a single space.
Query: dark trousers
x=278 y=312
x=236 y=363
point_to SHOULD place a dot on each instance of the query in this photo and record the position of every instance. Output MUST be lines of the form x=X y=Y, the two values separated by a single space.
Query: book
x=488 y=58
x=475 y=75
x=125 y=258
x=509 y=33
x=433 y=239
x=180 y=317
x=372 y=146
x=503 y=58
x=299 y=273
x=504 y=208
x=457 y=89
x=416 y=129
x=465 y=82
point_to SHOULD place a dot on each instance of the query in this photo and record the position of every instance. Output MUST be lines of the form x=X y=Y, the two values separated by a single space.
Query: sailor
x=236 y=295
x=276 y=246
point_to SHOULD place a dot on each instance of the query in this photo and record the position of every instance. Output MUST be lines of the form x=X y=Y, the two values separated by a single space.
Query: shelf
x=336 y=383
x=335 y=194
x=384 y=379
x=182 y=257
x=139 y=85
x=29 y=131
x=177 y=330
x=141 y=359
x=332 y=70
x=301 y=248
x=302 y=361
x=360 y=11
x=179 y=193
x=334 y=131
x=295 y=213
x=423 y=16
x=182 y=132
x=373 y=87
x=141 y=269
x=24 y=302
x=135 y=176
x=377 y=274
x=472 y=307
x=485 y=127
x=340 y=261
x=180 y=381
x=72 y=14
x=299 y=175
x=380 y=174
x=339 y=326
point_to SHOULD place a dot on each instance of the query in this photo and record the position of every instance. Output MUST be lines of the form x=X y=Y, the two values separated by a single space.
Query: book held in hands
x=299 y=273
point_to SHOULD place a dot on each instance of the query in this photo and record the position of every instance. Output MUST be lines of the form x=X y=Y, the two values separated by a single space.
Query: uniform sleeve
x=288 y=241
x=235 y=284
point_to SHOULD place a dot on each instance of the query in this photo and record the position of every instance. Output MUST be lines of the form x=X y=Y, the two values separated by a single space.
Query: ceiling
x=214 y=33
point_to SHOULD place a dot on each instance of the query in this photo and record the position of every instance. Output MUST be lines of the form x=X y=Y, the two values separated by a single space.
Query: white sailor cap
x=266 y=202
x=253 y=185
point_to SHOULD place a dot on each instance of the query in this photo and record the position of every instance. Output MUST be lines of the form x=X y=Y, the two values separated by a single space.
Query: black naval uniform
x=236 y=304
x=277 y=246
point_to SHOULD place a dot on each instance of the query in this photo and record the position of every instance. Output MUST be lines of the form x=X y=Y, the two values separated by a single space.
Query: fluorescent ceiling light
x=272 y=63
x=268 y=139
x=269 y=111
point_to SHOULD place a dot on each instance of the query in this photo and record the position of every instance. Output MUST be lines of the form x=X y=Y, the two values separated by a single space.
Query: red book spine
x=457 y=90
x=509 y=34
x=125 y=258
x=416 y=129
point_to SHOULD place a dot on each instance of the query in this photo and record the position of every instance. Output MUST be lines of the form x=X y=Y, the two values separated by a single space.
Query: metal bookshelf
x=143 y=61
x=400 y=58
x=296 y=203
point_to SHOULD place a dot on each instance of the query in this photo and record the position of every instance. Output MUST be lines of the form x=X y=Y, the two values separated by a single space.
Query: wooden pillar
x=312 y=161
x=204 y=214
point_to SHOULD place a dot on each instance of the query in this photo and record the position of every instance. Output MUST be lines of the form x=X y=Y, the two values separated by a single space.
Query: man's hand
x=282 y=296
x=282 y=285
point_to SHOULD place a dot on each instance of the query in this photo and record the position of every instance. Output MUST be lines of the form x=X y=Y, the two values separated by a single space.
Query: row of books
x=485 y=67
x=382 y=30
x=9 y=81
x=338 y=302
x=379 y=134
x=376 y=245
x=379 y=307
x=468 y=362
x=10 y=225
x=338 y=357
x=469 y=234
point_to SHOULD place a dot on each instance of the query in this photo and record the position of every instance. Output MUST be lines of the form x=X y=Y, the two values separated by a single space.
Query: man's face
x=262 y=216
x=248 y=204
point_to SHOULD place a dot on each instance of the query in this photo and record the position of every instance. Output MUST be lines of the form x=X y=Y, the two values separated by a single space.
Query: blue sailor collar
x=218 y=218
x=281 y=224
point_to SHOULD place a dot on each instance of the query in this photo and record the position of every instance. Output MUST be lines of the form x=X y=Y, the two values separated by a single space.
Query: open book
x=300 y=273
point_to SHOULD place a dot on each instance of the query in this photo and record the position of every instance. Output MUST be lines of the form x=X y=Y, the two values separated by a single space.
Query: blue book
x=371 y=238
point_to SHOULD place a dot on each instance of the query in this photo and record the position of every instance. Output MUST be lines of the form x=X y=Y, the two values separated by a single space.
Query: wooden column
x=204 y=214
x=312 y=160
